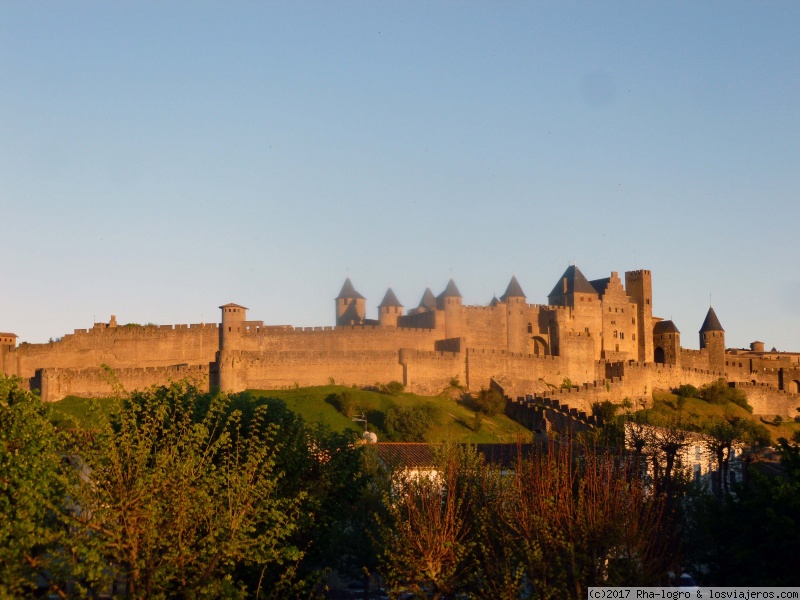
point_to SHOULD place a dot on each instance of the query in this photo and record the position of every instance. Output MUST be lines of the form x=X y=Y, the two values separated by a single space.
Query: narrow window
x=622 y=335
x=530 y=328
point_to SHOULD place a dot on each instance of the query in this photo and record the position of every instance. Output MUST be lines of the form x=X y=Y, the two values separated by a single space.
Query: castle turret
x=389 y=309
x=516 y=324
x=233 y=318
x=639 y=287
x=427 y=303
x=351 y=307
x=712 y=338
x=230 y=332
x=666 y=343
x=449 y=301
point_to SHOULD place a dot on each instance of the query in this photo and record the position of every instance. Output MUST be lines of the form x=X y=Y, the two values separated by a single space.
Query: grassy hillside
x=699 y=412
x=314 y=405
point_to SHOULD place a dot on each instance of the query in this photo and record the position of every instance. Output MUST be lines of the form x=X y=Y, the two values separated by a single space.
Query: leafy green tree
x=172 y=501
x=34 y=486
x=750 y=537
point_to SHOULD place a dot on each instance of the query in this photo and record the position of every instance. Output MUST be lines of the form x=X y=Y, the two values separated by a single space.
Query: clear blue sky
x=160 y=159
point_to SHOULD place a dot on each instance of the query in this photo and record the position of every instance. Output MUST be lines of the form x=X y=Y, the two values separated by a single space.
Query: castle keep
x=592 y=340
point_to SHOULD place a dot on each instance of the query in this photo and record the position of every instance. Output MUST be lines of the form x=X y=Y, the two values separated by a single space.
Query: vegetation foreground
x=191 y=495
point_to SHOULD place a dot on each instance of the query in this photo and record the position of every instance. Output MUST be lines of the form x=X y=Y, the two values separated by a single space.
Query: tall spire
x=711 y=323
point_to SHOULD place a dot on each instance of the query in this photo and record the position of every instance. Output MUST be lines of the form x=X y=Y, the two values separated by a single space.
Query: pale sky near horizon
x=158 y=160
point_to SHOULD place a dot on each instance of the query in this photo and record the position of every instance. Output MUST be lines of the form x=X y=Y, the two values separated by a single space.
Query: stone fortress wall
x=592 y=340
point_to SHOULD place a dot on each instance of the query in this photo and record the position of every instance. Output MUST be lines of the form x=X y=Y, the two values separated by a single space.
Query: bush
x=720 y=392
x=687 y=390
x=604 y=411
x=393 y=388
x=490 y=402
x=344 y=403
x=410 y=423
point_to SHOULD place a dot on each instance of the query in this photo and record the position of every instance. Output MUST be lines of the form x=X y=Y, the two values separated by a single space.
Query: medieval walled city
x=593 y=340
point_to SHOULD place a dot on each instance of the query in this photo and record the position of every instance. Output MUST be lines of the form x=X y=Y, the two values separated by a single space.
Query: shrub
x=687 y=390
x=720 y=392
x=345 y=404
x=409 y=424
x=490 y=402
x=393 y=388
x=604 y=410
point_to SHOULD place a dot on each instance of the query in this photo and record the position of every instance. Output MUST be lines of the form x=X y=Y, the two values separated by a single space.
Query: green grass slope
x=698 y=412
x=314 y=405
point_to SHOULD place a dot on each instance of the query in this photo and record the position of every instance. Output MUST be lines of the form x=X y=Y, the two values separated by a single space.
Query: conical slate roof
x=428 y=300
x=348 y=291
x=390 y=300
x=513 y=290
x=576 y=283
x=711 y=323
x=451 y=291
x=665 y=327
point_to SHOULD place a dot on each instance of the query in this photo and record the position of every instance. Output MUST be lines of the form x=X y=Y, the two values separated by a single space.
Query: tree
x=427 y=535
x=34 y=484
x=175 y=498
x=750 y=537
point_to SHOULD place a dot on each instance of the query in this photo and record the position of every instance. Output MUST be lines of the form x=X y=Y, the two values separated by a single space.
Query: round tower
x=389 y=310
x=233 y=318
x=449 y=301
x=666 y=343
x=517 y=333
x=712 y=339
x=351 y=307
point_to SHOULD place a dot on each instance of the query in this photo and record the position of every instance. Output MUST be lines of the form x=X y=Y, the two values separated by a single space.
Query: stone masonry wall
x=56 y=384
x=117 y=347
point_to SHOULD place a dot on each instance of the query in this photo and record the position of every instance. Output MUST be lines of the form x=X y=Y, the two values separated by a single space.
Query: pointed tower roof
x=494 y=301
x=665 y=327
x=349 y=292
x=451 y=291
x=513 y=290
x=576 y=283
x=390 y=300
x=711 y=323
x=428 y=300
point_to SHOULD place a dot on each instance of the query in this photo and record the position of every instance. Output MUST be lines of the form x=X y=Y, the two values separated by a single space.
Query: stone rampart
x=276 y=370
x=117 y=347
x=56 y=384
x=430 y=372
x=768 y=401
x=344 y=338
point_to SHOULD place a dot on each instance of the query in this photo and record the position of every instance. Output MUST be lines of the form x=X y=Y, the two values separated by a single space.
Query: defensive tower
x=351 y=307
x=712 y=338
x=389 y=309
x=639 y=287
